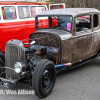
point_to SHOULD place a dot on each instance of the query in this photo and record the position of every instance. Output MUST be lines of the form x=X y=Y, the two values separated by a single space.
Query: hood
x=62 y=34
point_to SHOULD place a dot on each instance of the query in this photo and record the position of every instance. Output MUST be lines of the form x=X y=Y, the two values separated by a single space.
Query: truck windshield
x=62 y=22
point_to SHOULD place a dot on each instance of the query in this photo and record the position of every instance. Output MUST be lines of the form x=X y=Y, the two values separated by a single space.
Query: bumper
x=14 y=81
x=5 y=82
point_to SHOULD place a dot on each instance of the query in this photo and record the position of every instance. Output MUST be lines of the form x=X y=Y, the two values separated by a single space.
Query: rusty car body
x=64 y=44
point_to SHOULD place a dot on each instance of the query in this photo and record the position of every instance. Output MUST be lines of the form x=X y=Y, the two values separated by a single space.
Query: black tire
x=2 y=62
x=44 y=77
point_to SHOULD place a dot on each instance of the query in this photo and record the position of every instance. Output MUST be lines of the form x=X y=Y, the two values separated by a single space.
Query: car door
x=95 y=34
x=82 y=39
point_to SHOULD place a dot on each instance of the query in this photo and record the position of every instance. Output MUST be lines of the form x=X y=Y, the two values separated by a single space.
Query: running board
x=76 y=64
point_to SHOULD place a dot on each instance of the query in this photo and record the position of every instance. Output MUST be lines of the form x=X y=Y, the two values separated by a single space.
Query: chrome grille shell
x=14 y=52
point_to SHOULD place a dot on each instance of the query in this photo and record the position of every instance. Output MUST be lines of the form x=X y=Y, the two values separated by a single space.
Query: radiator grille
x=13 y=54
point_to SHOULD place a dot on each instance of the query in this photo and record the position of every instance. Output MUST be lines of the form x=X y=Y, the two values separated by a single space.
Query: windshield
x=62 y=22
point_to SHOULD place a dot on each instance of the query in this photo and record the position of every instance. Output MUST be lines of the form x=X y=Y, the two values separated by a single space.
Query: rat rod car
x=65 y=44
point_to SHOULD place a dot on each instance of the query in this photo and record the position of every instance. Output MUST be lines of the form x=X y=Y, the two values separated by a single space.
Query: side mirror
x=33 y=42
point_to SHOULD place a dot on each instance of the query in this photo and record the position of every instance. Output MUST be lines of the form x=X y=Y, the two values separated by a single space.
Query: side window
x=9 y=12
x=24 y=12
x=36 y=10
x=83 y=23
x=95 y=20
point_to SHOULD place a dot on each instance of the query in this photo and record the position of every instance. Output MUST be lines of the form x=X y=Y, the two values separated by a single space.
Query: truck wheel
x=44 y=77
x=2 y=62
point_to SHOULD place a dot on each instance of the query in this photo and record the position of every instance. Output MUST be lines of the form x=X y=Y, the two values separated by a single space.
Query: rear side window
x=9 y=12
x=83 y=23
x=36 y=10
x=95 y=20
x=24 y=12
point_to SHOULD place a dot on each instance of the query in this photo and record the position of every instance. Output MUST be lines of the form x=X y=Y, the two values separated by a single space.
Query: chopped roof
x=68 y=11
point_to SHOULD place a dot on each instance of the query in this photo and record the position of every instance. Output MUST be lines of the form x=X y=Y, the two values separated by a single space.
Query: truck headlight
x=20 y=67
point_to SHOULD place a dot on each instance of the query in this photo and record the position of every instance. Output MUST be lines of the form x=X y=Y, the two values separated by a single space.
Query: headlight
x=20 y=67
x=17 y=67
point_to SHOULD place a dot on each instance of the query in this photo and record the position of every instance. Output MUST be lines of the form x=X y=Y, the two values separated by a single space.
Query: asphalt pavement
x=81 y=83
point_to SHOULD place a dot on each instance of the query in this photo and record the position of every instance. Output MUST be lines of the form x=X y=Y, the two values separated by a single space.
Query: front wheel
x=44 y=77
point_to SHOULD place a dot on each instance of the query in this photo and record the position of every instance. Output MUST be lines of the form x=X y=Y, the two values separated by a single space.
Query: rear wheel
x=44 y=78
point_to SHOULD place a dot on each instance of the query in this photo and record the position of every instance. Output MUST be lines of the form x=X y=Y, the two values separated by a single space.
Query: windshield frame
x=36 y=22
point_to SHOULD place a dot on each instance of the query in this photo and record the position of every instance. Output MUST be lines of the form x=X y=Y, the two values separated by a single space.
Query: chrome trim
x=7 y=80
x=7 y=67
x=8 y=77
x=14 y=52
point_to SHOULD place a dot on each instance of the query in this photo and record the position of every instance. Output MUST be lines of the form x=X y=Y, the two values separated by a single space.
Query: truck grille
x=14 y=52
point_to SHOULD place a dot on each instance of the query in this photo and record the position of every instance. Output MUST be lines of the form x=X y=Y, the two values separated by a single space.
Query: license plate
x=5 y=83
